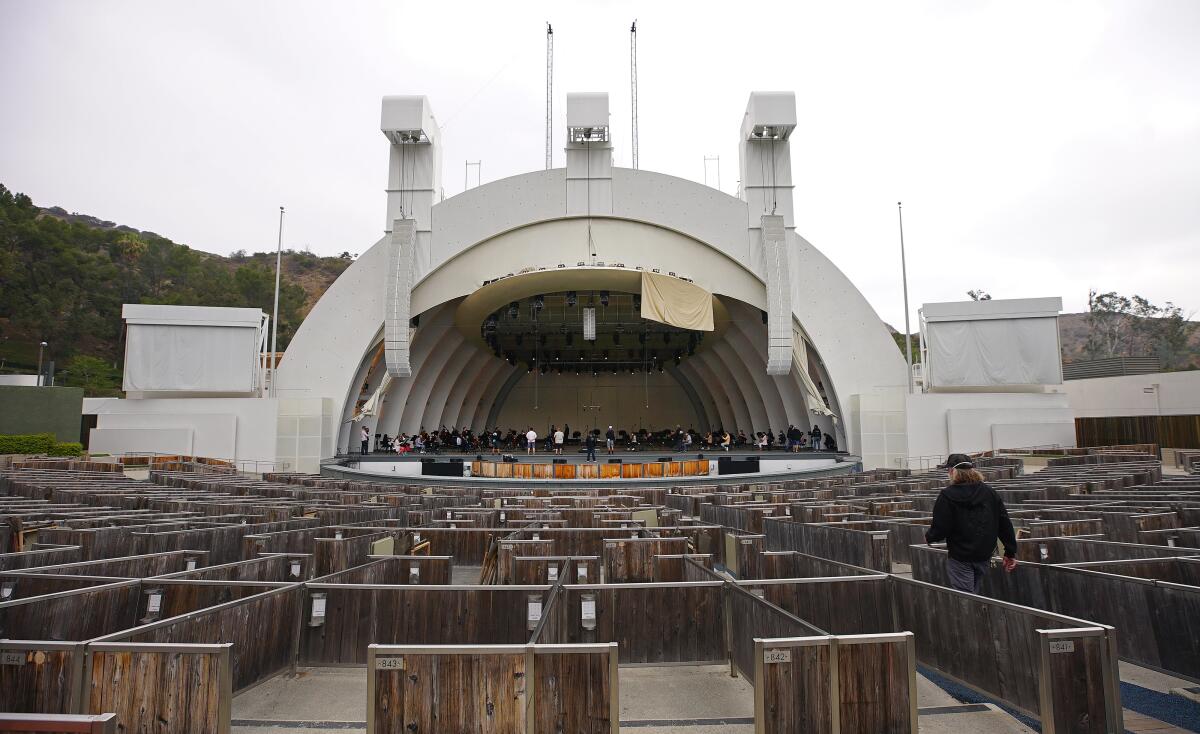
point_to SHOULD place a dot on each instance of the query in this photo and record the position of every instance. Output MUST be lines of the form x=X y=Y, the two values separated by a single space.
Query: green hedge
x=38 y=443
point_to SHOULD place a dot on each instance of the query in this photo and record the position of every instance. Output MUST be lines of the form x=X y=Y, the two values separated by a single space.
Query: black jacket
x=969 y=517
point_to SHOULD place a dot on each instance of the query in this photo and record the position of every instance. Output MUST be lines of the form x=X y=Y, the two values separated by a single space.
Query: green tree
x=98 y=377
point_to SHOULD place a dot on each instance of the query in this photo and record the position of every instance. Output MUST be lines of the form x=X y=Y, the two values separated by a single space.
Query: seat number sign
x=777 y=656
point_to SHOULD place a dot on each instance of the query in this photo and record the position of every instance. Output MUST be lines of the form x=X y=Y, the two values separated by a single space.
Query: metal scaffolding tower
x=633 y=88
x=549 y=97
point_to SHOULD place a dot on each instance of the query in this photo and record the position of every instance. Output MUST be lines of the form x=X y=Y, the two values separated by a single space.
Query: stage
x=573 y=469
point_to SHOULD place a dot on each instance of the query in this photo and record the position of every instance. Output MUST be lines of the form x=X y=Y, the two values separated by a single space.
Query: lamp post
x=275 y=309
x=904 y=278
x=41 y=348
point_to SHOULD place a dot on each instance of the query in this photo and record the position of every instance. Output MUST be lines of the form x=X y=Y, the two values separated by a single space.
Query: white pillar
x=765 y=161
x=414 y=168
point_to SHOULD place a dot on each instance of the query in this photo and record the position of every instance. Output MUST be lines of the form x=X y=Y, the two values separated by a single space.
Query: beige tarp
x=677 y=302
x=375 y=402
x=800 y=355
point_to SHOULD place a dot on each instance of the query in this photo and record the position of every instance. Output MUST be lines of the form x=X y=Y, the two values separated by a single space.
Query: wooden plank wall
x=797 y=565
x=76 y=615
x=849 y=684
x=133 y=567
x=751 y=617
x=832 y=541
x=35 y=558
x=510 y=548
x=948 y=627
x=851 y=605
x=497 y=688
x=794 y=694
x=1078 y=679
x=413 y=615
x=262 y=629
x=186 y=690
x=575 y=689
x=46 y=682
x=1158 y=622
x=27 y=585
x=652 y=623
x=1174 y=431
x=671 y=569
x=331 y=555
x=272 y=569
x=479 y=691
x=631 y=560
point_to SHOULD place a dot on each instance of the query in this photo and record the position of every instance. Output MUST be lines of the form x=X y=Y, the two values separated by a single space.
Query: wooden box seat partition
x=492 y=688
x=853 y=683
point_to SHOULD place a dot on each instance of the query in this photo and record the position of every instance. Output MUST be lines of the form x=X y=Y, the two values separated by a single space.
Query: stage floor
x=602 y=456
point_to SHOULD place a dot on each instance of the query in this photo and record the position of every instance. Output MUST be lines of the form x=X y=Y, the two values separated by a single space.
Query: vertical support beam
x=398 y=305
x=779 y=294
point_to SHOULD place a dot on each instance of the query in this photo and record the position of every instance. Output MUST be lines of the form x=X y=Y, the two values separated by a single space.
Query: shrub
x=69 y=448
x=38 y=443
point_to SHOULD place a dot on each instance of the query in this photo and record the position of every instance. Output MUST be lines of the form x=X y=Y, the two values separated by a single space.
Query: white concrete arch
x=425 y=379
x=791 y=397
x=723 y=413
x=487 y=396
x=470 y=375
x=706 y=412
x=435 y=412
x=738 y=372
x=755 y=368
x=737 y=401
x=433 y=325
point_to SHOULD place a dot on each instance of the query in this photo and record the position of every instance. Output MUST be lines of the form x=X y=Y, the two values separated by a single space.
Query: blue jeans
x=966 y=576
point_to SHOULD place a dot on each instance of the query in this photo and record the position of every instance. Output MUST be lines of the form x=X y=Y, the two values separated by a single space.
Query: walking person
x=815 y=437
x=970 y=516
x=610 y=440
x=530 y=440
x=559 y=437
x=590 y=444
x=366 y=441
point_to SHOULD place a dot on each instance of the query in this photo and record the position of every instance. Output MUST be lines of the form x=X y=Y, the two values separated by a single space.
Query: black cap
x=957 y=461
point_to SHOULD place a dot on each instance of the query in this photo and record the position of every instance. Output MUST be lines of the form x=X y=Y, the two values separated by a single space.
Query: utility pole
x=549 y=97
x=717 y=160
x=275 y=309
x=633 y=98
x=904 y=277
x=41 y=347
x=478 y=173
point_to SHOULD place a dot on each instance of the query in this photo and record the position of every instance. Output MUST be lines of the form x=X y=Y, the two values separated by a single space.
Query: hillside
x=66 y=276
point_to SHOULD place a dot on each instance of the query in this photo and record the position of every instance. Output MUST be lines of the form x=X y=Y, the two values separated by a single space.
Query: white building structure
x=708 y=311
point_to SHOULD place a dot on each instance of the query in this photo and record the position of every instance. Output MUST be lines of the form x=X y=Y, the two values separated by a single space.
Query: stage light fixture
x=589 y=324
x=539 y=302
x=514 y=309
x=603 y=298
x=557 y=356
x=572 y=298
x=605 y=353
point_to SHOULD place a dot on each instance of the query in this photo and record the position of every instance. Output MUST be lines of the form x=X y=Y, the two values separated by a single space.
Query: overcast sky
x=1040 y=148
